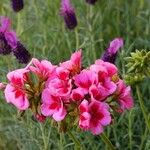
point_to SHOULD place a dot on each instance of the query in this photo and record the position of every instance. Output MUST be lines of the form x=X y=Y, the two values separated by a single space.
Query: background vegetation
x=42 y=30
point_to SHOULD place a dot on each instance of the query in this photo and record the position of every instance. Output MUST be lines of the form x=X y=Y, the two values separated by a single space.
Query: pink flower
x=74 y=64
x=110 y=68
x=60 y=84
x=85 y=79
x=94 y=116
x=102 y=90
x=14 y=91
x=60 y=87
x=52 y=106
x=62 y=73
x=124 y=97
x=43 y=69
x=77 y=94
x=10 y=36
x=84 y=122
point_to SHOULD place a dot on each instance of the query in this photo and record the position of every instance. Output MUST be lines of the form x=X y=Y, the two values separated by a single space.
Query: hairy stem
x=143 y=108
x=75 y=140
x=107 y=141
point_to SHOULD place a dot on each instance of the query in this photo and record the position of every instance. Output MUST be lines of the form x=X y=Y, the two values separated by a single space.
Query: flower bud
x=21 y=53
x=92 y=2
x=68 y=13
x=111 y=53
x=17 y=5
x=5 y=48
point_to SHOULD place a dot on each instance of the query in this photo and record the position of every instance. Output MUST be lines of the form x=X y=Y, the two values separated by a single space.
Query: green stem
x=107 y=141
x=61 y=141
x=143 y=108
x=77 y=39
x=143 y=139
x=43 y=137
x=75 y=140
x=19 y=24
x=130 y=130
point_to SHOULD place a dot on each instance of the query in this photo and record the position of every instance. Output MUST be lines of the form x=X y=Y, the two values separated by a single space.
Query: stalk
x=107 y=141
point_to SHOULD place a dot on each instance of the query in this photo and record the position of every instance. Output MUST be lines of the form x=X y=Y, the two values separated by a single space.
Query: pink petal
x=96 y=130
x=62 y=73
x=21 y=102
x=111 y=68
x=83 y=106
x=84 y=121
x=110 y=86
x=106 y=120
x=76 y=58
x=77 y=94
x=85 y=79
x=60 y=114
x=46 y=111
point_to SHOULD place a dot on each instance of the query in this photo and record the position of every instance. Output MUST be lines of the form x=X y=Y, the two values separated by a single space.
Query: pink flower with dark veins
x=60 y=87
x=43 y=69
x=94 y=116
x=74 y=64
x=110 y=68
x=52 y=106
x=85 y=80
x=124 y=97
x=14 y=91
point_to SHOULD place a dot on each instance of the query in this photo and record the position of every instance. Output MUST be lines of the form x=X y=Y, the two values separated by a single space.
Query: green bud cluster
x=138 y=66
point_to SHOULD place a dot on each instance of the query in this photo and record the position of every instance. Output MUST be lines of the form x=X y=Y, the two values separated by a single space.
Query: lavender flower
x=111 y=53
x=21 y=53
x=5 y=49
x=8 y=39
x=17 y=5
x=68 y=13
x=92 y=2
x=9 y=42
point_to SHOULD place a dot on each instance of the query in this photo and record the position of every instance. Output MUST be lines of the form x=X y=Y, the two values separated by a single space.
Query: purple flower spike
x=111 y=53
x=5 y=49
x=8 y=39
x=21 y=53
x=92 y=2
x=17 y=5
x=68 y=13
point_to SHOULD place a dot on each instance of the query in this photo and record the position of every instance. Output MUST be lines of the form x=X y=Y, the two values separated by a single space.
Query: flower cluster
x=85 y=98
x=9 y=42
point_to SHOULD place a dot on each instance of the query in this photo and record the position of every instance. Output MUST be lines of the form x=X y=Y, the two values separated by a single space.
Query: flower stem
x=107 y=141
x=143 y=108
x=77 y=38
x=75 y=140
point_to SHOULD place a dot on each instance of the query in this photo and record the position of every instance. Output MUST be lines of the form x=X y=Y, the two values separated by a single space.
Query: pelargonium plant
x=9 y=43
x=69 y=93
